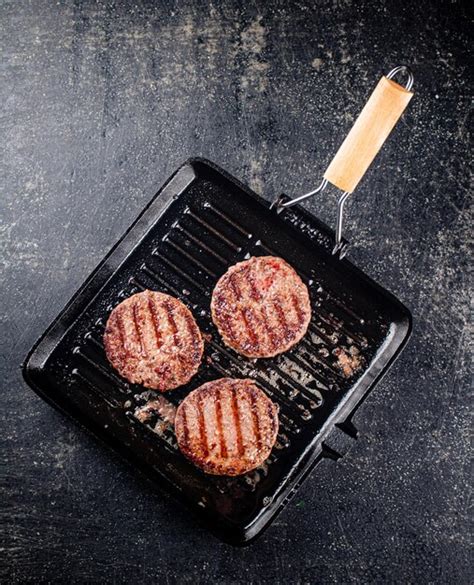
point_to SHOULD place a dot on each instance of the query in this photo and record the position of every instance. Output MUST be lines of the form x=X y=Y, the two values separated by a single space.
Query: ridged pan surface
x=202 y=222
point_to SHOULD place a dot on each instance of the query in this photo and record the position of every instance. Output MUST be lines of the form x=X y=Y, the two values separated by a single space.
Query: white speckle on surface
x=252 y=45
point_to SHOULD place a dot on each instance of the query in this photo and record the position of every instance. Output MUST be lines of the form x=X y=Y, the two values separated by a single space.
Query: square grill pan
x=200 y=223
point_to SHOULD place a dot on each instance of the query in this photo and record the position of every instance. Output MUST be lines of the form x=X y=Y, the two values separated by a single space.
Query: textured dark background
x=100 y=102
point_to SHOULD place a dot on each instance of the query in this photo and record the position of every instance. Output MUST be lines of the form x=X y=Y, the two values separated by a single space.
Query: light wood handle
x=369 y=132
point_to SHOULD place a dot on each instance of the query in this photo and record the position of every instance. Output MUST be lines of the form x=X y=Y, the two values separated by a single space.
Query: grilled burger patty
x=152 y=339
x=227 y=426
x=261 y=307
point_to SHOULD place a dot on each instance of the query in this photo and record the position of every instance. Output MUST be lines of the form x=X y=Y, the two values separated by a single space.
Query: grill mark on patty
x=169 y=312
x=297 y=309
x=260 y=315
x=172 y=323
x=255 y=293
x=190 y=330
x=237 y=421
x=202 y=427
x=235 y=287
x=255 y=421
x=250 y=333
x=267 y=320
x=220 y=430
x=270 y=416
x=281 y=318
x=227 y=325
x=154 y=321
x=184 y=411
x=137 y=328
x=245 y=313
x=119 y=324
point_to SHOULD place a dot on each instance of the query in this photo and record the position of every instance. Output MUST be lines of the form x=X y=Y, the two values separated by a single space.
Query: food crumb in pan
x=348 y=361
x=296 y=372
x=142 y=414
x=161 y=426
x=252 y=478
x=157 y=406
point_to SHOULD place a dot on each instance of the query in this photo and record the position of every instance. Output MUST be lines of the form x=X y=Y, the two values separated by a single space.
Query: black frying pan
x=200 y=223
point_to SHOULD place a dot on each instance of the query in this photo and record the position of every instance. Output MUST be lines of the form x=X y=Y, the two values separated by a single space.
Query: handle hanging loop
x=404 y=69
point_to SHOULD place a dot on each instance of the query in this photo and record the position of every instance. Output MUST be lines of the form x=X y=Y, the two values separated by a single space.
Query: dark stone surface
x=101 y=101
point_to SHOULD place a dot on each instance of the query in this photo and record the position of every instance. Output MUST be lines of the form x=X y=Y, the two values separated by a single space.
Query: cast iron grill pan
x=198 y=225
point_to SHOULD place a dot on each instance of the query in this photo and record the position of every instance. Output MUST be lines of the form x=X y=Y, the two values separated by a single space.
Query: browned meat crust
x=227 y=426
x=261 y=307
x=152 y=339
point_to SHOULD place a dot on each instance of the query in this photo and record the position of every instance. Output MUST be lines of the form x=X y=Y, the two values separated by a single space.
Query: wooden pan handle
x=369 y=132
